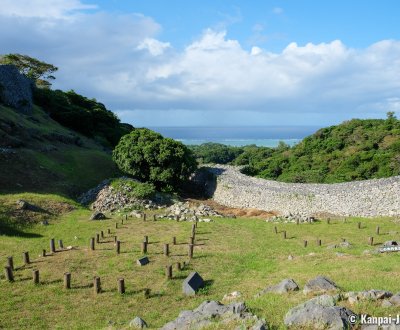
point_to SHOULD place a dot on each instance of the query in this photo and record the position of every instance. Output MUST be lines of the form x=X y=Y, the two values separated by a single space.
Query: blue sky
x=217 y=63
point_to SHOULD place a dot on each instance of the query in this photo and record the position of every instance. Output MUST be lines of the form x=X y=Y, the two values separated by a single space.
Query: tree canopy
x=40 y=72
x=149 y=157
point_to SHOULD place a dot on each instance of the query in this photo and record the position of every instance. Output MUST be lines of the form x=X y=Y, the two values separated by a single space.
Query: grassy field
x=231 y=254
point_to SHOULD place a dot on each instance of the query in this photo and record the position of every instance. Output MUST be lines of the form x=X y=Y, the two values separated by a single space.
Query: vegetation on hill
x=149 y=157
x=86 y=116
x=354 y=150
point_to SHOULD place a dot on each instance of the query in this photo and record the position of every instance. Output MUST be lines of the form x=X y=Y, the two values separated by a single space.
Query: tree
x=40 y=72
x=149 y=157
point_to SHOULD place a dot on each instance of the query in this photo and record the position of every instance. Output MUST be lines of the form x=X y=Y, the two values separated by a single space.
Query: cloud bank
x=119 y=59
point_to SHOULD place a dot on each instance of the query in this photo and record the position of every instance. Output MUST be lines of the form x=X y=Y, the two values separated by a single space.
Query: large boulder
x=138 y=323
x=211 y=311
x=319 y=313
x=320 y=284
x=15 y=89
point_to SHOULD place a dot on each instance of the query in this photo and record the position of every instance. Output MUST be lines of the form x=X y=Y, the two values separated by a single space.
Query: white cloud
x=42 y=8
x=154 y=46
x=277 y=11
x=119 y=60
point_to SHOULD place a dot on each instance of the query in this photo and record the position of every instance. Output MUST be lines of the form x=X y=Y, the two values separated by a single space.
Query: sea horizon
x=262 y=136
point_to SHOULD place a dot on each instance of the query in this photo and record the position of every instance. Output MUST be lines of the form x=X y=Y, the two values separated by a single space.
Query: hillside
x=39 y=155
x=354 y=150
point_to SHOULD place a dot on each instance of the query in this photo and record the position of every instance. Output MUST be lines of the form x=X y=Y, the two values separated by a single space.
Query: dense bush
x=149 y=157
x=140 y=190
x=86 y=116
x=215 y=153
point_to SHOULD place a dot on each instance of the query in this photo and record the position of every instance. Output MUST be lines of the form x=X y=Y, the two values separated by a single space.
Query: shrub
x=149 y=157
x=133 y=188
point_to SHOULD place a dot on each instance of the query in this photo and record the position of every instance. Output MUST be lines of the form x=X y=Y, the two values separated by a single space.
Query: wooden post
x=297 y=221
x=121 y=286
x=196 y=220
x=52 y=246
x=371 y=241
x=359 y=225
x=144 y=247
x=168 y=272
x=118 y=247
x=154 y=217
x=319 y=242
x=9 y=274
x=96 y=284
x=92 y=243
x=35 y=276
x=10 y=262
x=60 y=244
x=43 y=253
x=116 y=225
x=67 y=280
x=191 y=240
x=190 y=254
x=276 y=229
x=343 y=240
x=284 y=234
x=305 y=243
x=146 y=239
x=26 y=258
x=193 y=229
x=146 y=293
x=97 y=238
x=328 y=221
x=126 y=217
x=144 y=216
x=122 y=221
x=377 y=230
x=115 y=239
x=108 y=231
x=102 y=234
x=178 y=266
x=166 y=250
x=174 y=240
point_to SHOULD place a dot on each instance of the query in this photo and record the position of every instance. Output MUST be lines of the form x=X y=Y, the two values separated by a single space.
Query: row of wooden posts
x=9 y=274
x=319 y=241
x=9 y=269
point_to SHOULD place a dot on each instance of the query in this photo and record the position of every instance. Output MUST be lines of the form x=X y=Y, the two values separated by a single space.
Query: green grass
x=233 y=254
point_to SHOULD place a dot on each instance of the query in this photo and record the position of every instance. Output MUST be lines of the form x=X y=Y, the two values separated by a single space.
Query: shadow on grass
x=8 y=230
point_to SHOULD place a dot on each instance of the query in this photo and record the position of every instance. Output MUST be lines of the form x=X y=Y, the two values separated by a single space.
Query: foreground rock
x=320 y=284
x=210 y=312
x=285 y=286
x=138 y=323
x=319 y=313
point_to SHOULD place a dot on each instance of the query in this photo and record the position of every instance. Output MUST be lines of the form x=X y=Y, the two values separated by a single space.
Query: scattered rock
x=232 y=296
x=390 y=244
x=138 y=323
x=45 y=223
x=290 y=257
x=211 y=311
x=395 y=300
x=287 y=285
x=386 y=303
x=319 y=313
x=97 y=216
x=320 y=284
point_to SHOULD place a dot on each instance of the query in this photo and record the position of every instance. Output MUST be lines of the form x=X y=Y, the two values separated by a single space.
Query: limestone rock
x=285 y=286
x=97 y=216
x=395 y=300
x=320 y=284
x=138 y=323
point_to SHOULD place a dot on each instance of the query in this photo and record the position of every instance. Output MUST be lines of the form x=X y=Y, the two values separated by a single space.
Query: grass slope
x=45 y=164
x=232 y=254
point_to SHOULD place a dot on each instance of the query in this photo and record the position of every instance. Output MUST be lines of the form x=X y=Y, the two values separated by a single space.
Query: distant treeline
x=86 y=116
x=354 y=150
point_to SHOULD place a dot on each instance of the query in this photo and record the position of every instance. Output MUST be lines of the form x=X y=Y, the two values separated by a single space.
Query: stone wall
x=15 y=89
x=368 y=198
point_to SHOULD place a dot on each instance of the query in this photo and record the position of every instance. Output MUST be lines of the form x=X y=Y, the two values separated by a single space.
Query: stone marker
x=143 y=261
x=192 y=284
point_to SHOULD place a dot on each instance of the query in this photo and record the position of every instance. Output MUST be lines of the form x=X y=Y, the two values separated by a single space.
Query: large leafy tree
x=149 y=157
x=40 y=72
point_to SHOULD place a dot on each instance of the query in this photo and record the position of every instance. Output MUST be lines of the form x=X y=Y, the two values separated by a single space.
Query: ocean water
x=265 y=136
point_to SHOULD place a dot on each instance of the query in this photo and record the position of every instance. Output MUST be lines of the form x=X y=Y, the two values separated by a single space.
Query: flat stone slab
x=143 y=261
x=192 y=284
x=320 y=284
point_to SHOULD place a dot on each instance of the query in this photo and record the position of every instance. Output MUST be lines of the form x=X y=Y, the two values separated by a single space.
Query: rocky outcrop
x=287 y=285
x=368 y=198
x=15 y=89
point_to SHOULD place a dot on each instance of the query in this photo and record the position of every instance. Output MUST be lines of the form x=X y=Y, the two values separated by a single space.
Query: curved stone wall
x=368 y=198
